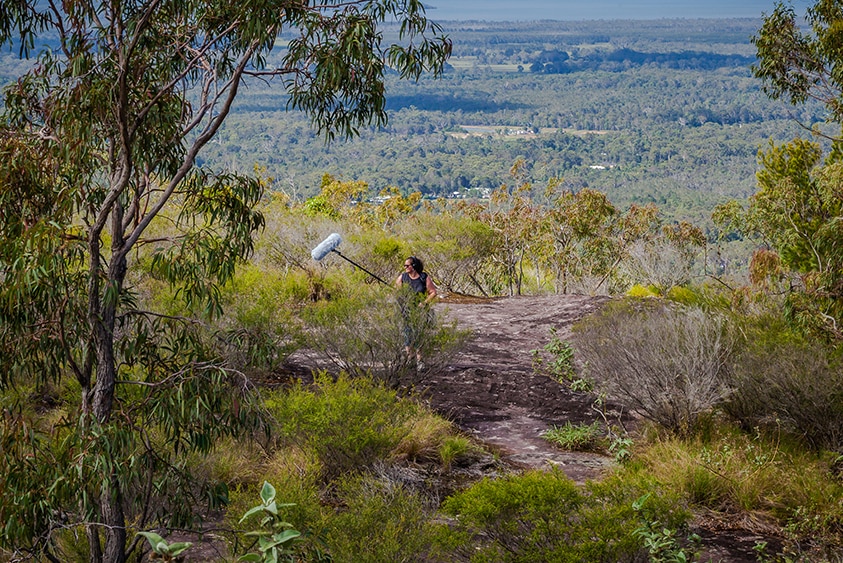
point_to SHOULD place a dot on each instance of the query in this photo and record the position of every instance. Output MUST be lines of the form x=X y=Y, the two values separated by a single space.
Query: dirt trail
x=491 y=389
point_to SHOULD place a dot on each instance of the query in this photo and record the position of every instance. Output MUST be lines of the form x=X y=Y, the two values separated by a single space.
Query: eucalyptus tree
x=798 y=209
x=99 y=144
x=799 y=64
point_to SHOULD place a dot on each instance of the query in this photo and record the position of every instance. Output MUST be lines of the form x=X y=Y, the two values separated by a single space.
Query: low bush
x=426 y=432
x=363 y=334
x=258 y=329
x=641 y=291
x=782 y=380
x=349 y=423
x=255 y=328
x=455 y=448
x=271 y=537
x=544 y=516
x=663 y=360
x=752 y=478
x=431 y=438
x=296 y=474
x=556 y=358
x=664 y=261
x=379 y=521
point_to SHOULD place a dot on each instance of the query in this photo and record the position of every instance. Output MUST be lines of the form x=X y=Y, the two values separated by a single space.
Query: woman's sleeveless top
x=418 y=285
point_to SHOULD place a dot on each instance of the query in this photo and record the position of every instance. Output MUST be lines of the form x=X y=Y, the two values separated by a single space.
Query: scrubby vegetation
x=743 y=404
x=163 y=403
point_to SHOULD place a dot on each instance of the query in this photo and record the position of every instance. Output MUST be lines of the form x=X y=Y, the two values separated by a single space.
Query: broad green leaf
x=267 y=493
x=153 y=538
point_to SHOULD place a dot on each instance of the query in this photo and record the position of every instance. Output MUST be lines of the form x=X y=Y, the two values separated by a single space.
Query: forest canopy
x=630 y=123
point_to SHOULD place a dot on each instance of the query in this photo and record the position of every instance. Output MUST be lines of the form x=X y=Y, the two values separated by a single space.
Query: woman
x=420 y=292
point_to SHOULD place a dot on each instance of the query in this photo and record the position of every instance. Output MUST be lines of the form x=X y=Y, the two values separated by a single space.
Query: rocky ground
x=492 y=391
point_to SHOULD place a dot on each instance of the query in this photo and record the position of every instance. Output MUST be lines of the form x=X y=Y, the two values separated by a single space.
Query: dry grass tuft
x=425 y=434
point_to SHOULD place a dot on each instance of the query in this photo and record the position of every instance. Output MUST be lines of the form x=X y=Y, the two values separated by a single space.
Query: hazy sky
x=528 y=10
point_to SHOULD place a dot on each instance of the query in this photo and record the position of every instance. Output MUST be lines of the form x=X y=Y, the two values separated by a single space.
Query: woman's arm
x=431 y=290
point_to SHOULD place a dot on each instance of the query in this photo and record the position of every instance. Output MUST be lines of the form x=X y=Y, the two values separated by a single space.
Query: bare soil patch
x=492 y=390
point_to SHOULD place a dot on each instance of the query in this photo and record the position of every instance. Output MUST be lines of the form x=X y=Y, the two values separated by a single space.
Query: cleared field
x=463 y=63
x=506 y=131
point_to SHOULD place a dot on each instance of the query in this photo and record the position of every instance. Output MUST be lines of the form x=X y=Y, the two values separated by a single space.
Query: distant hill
x=566 y=10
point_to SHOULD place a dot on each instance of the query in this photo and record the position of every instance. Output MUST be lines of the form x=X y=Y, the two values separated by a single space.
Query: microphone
x=329 y=245
x=326 y=246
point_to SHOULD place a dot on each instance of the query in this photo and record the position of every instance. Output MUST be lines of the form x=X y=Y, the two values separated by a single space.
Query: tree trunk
x=111 y=505
x=106 y=377
x=94 y=545
x=104 y=314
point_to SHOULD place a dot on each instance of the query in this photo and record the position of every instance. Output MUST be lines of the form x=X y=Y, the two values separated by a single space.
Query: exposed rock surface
x=492 y=390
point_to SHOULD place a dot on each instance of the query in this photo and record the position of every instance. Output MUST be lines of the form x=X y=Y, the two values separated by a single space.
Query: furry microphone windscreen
x=326 y=246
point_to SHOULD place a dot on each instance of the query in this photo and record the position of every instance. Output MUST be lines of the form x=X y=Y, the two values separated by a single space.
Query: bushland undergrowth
x=746 y=410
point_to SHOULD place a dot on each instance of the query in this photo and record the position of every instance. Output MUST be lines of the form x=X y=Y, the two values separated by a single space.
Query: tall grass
x=760 y=481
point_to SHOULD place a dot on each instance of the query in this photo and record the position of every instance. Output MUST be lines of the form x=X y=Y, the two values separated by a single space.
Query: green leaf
x=251 y=511
x=639 y=503
x=176 y=549
x=153 y=538
x=285 y=536
x=267 y=493
x=258 y=533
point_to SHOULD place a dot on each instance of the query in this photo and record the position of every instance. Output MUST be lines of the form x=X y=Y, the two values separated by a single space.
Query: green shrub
x=275 y=539
x=544 y=516
x=363 y=334
x=639 y=291
x=683 y=295
x=431 y=438
x=767 y=478
x=349 y=423
x=517 y=518
x=259 y=330
x=556 y=358
x=231 y=462
x=426 y=434
x=454 y=448
x=380 y=522
x=256 y=328
x=296 y=473
x=709 y=298
x=782 y=380
x=379 y=252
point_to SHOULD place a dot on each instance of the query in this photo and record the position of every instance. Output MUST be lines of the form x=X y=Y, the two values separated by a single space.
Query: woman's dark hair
x=418 y=265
